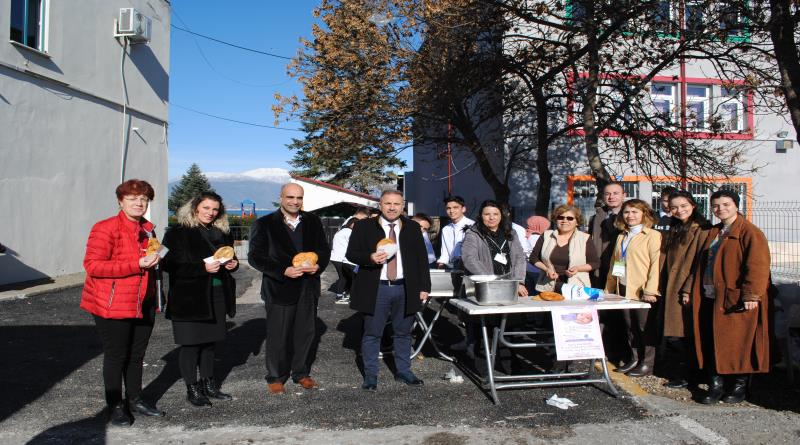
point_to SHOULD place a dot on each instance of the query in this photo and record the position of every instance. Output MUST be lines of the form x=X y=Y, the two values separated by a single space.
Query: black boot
x=195 y=396
x=139 y=406
x=211 y=389
x=715 y=390
x=737 y=391
x=118 y=415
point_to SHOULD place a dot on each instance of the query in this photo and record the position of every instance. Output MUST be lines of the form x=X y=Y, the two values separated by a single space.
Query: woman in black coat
x=201 y=292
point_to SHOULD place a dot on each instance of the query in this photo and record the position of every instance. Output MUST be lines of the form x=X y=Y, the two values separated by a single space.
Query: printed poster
x=577 y=333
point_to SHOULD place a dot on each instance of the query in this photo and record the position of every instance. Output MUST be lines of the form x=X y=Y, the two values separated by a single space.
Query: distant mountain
x=262 y=185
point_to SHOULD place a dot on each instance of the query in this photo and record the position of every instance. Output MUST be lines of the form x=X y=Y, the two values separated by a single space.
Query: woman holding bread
x=119 y=292
x=635 y=275
x=565 y=255
x=201 y=291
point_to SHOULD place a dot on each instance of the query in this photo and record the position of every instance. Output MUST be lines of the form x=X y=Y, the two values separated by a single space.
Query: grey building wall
x=61 y=132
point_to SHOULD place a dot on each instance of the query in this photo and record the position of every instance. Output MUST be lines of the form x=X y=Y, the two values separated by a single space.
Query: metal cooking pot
x=491 y=290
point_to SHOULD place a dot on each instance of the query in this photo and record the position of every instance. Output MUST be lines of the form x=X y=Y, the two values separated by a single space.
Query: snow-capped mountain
x=262 y=185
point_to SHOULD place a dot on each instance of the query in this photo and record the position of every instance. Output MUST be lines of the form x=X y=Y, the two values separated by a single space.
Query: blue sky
x=227 y=89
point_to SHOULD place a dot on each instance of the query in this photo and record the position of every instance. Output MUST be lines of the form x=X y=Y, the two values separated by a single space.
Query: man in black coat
x=290 y=293
x=388 y=286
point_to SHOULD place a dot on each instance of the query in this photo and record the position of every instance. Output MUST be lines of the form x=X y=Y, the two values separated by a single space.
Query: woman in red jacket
x=120 y=293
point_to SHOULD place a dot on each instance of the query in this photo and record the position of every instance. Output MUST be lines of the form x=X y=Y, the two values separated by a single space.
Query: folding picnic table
x=500 y=335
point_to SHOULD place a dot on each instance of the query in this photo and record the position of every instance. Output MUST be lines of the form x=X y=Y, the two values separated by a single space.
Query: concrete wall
x=61 y=132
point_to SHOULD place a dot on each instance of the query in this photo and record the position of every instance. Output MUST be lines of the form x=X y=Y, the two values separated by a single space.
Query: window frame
x=42 y=26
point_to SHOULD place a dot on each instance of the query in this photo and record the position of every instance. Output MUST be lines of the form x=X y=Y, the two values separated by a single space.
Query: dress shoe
x=370 y=383
x=677 y=384
x=307 y=383
x=737 y=391
x=211 y=389
x=118 y=415
x=460 y=346
x=409 y=379
x=640 y=371
x=139 y=406
x=275 y=388
x=628 y=366
x=195 y=395
x=715 y=390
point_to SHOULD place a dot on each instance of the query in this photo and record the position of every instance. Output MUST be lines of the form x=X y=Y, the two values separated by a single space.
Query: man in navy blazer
x=290 y=293
x=388 y=286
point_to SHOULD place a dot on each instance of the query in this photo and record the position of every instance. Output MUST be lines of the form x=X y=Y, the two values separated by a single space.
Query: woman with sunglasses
x=565 y=255
x=635 y=275
x=686 y=233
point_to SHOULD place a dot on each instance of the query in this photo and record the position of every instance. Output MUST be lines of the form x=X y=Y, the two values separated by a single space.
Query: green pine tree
x=193 y=183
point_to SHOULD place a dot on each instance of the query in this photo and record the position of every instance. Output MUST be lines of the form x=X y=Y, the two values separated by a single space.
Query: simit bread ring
x=551 y=296
x=224 y=253
x=385 y=242
x=305 y=259
x=152 y=246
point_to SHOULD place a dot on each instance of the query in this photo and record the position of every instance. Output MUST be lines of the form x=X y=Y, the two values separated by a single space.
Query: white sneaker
x=345 y=299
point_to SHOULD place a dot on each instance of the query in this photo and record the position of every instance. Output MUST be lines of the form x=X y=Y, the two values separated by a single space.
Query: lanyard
x=626 y=242
x=500 y=248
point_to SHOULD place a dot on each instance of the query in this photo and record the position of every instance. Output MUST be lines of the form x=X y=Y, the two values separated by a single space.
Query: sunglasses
x=568 y=218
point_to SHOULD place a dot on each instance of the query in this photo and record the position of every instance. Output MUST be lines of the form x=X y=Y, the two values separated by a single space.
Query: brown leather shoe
x=275 y=388
x=307 y=383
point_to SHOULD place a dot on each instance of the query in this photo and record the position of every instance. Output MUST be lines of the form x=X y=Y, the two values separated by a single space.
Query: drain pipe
x=125 y=117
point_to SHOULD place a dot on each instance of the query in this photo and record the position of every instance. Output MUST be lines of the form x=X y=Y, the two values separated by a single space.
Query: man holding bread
x=393 y=281
x=290 y=249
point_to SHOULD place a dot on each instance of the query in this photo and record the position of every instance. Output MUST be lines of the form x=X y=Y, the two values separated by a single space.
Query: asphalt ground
x=52 y=392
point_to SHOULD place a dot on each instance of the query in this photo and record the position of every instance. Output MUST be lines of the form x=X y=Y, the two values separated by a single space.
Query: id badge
x=501 y=258
x=619 y=269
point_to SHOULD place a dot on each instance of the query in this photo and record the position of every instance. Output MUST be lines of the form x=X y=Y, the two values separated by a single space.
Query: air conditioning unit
x=134 y=25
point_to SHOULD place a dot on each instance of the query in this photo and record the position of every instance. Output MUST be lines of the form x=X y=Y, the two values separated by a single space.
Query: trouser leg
x=339 y=286
x=349 y=273
x=304 y=334
x=140 y=337
x=207 y=353
x=645 y=351
x=628 y=320
x=373 y=331
x=187 y=363
x=280 y=321
x=115 y=338
x=401 y=325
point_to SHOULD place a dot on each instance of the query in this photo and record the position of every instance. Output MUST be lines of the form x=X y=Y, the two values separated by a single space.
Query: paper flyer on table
x=577 y=333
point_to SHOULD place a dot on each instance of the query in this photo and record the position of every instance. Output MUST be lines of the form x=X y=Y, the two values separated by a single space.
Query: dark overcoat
x=604 y=235
x=271 y=252
x=741 y=273
x=678 y=269
x=414 y=255
x=190 y=286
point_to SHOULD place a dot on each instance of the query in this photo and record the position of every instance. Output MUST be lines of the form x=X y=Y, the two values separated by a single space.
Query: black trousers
x=190 y=356
x=345 y=273
x=291 y=331
x=706 y=320
x=124 y=344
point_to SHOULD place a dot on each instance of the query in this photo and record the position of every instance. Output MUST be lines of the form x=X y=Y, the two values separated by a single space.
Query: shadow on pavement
x=39 y=361
x=85 y=431
x=240 y=343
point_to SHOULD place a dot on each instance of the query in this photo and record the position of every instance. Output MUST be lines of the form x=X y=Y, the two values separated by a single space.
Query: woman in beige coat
x=635 y=275
x=687 y=231
x=730 y=304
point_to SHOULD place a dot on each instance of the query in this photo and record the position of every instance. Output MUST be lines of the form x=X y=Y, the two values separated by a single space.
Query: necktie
x=391 y=271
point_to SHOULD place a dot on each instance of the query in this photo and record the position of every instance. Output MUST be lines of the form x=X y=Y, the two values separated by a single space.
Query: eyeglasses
x=568 y=218
x=141 y=199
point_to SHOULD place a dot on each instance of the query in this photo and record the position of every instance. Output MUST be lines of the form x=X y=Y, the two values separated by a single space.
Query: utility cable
x=252 y=124
x=230 y=44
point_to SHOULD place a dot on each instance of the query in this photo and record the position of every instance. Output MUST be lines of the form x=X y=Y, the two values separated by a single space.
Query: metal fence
x=330 y=224
x=780 y=222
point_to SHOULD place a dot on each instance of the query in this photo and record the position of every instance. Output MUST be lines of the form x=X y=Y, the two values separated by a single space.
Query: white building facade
x=80 y=111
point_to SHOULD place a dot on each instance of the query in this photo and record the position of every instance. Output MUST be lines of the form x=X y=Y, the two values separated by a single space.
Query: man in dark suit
x=388 y=287
x=290 y=293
